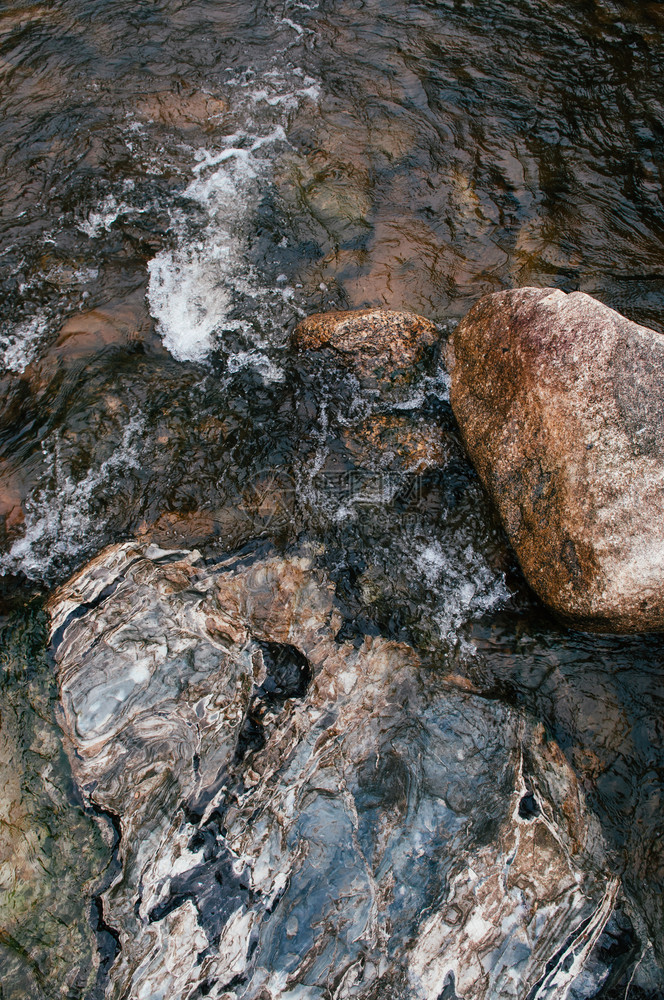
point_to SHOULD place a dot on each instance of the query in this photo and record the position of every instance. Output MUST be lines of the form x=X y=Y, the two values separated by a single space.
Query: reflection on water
x=178 y=185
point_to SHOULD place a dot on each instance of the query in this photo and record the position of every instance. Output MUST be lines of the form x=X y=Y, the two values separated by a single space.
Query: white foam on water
x=60 y=523
x=194 y=286
x=111 y=208
x=256 y=359
x=19 y=345
x=437 y=385
x=188 y=299
x=463 y=583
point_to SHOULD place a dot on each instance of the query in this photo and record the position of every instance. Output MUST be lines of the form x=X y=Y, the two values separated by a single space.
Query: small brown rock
x=177 y=528
x=12 y=516
x=376 y=343
x=560 y=401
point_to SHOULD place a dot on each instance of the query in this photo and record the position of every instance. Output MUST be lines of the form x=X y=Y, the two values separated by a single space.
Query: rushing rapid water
x=179 y=185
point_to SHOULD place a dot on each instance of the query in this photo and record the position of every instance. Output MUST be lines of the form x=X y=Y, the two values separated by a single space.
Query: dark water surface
x=180 y=182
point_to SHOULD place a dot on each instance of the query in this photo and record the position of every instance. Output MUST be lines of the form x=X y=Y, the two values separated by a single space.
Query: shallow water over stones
x=187 y=182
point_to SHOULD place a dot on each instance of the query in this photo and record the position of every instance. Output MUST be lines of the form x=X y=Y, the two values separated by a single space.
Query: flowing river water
x=181 y=183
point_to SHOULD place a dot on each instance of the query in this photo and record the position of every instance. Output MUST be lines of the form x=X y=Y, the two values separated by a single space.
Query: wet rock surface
x=397 y=442
x=600 y=698
x=306 y=816
x=378 y=344
x=559 y=400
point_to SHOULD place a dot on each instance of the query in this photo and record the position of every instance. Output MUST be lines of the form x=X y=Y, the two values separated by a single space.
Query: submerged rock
x=115 y=326
x=306 y=817
x=560 y=401
x=398 y=442
x=51 y=854
x=377 y=344
x=12 y=516
x=189 y=108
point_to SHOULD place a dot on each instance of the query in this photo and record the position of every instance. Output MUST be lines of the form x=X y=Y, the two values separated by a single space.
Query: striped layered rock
x=302 y=816
x=560 y=401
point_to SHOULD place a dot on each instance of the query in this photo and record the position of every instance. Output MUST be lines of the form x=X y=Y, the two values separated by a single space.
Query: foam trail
x=194 y=287
x=101 y=219
x=462 y=582
x=18 y=346
x=60 y=522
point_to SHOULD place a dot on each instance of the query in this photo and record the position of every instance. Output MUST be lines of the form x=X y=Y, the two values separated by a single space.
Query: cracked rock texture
x=560 y=401
x=302 y=816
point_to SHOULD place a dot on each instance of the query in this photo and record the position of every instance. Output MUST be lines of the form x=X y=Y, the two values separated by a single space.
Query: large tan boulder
x=560 y=401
